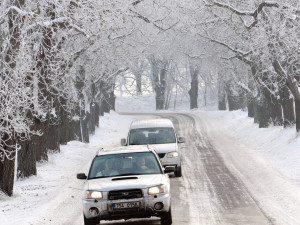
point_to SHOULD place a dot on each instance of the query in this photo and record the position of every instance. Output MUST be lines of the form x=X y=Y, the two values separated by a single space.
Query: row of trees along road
x=60 y=61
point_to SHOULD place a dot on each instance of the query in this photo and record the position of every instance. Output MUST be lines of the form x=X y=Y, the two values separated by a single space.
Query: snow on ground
x=32 y=196
x=280 y=147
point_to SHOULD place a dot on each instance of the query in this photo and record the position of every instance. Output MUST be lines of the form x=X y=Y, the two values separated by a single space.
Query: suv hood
x=125 y=182
x=164 y=148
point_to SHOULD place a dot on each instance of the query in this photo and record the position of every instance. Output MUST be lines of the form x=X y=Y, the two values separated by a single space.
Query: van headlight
x=172 y=154
x=156 y=189
x=93 y=194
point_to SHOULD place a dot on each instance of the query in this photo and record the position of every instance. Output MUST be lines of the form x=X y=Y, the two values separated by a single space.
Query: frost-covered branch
x=63 y=22
x=239 y=53
x=253 y=13
x=120 y=36
x=111 y=75
x=144 y=18
x=17 y=11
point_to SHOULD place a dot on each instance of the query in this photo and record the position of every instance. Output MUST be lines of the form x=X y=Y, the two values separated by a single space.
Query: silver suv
x=126 y=182
x=161 y=135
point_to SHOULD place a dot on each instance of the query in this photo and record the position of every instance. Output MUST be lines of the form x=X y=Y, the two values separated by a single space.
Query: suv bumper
x=145 y=210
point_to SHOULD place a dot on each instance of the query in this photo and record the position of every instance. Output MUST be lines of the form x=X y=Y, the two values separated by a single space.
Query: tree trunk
x=39 y=142
x=287 y=104
x=250 y=106
x=27 y=155
x=297 y=113
x=274 y=108
x=221 y=98
x=159 y=97
x=255 y=111
x=84 y=118
x=263 y=113
x=193 y=92
x=26 y=159
x=97 y=111
x=159 y=75
x=51 y=135
x=112 y=100
x=75 y=131
x=64 y=124
x=8 y=169
x=233 y=100
x=92 y=121
x=138 y=78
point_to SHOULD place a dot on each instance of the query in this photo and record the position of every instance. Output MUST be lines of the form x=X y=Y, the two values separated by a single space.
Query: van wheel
x=178 y=172
x=166 y=218
x=92 y=221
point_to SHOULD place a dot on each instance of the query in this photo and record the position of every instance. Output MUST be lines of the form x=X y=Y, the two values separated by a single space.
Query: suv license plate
x=126 y=205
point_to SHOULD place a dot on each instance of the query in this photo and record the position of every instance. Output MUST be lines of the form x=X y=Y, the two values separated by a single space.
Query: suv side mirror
x=81 y=176
x=123 y=142
x=169 y=169
x=181 y=139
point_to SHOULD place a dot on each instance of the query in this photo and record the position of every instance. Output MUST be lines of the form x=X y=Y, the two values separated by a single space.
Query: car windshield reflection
x=124 y=165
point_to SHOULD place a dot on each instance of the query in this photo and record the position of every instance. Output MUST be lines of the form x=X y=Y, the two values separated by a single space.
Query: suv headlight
x=93 y=194
x=156 y=189
x=172 y=154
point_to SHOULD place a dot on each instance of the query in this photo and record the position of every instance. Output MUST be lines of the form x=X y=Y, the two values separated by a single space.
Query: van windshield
x=159 y=135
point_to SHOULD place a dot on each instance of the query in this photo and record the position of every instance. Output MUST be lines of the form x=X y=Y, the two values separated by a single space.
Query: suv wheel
x=92 y=221
x=166 y=218
x=178 y=172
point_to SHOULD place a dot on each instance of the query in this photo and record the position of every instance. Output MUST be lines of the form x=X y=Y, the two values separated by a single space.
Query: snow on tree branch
x=253 y=13
x=16 y=10
x=112 y=75
x=62 y=22
x=239 y=53
x=138 y=15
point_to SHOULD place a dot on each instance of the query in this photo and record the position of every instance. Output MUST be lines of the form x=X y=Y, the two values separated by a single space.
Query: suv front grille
x=125 y=194
x=161 y=155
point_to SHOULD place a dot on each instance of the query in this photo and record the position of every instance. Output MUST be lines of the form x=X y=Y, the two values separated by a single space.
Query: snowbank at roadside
x=280 y=146
x=32 y=195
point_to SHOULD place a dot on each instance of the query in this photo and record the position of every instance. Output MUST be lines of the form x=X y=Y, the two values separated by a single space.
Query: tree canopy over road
x=60 y=60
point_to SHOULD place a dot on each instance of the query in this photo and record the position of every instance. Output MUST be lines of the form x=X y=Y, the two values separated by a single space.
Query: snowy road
x=211 y=192
x=224 y=182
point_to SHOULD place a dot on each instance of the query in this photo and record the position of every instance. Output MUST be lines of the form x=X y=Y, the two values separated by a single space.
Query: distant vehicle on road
x=126 y=182
x=161 y=135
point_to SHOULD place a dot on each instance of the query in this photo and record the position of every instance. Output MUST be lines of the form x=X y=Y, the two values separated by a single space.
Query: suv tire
x=92 y=221
x=178 y=172
x=166 y=218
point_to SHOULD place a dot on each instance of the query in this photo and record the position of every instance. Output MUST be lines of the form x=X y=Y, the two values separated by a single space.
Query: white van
x=161 y=135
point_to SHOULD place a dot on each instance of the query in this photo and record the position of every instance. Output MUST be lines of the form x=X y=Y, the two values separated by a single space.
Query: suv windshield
x=145 y=136
x=124 y=164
